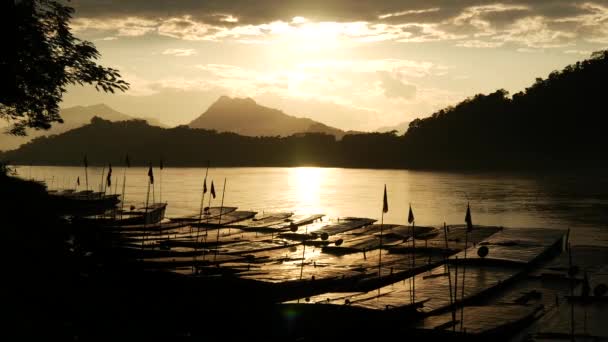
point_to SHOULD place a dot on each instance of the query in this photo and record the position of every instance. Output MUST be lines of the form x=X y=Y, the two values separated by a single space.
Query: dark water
x=578 y=201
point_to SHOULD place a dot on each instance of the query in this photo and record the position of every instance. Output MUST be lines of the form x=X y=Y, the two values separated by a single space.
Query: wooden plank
x=211 y=213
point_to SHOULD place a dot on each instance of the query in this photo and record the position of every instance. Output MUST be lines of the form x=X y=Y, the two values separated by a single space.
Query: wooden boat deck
x=553 y=283
x=211 y=213
x=229 y=218
x=354 y=242
x=434 y=289
x=278 y=223
x=521 y=246
x=480 y=320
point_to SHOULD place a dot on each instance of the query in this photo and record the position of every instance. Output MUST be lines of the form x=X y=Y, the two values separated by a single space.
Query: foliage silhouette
x=44 y=57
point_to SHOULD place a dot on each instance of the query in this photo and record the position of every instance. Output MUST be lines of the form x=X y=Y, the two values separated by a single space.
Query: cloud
x=578 y=52
x=408 y=12
x=535 y=32
x=126 y=27
x=246 y=12
x=179 y=52
x=479 y=44
x=395 y=88
x=532 y=24
x=184 y=28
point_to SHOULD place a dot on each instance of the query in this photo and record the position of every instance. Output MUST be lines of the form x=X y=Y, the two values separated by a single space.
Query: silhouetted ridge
x=557 y=120
x=73 y=117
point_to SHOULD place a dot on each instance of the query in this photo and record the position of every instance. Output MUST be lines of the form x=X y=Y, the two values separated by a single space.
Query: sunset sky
x=351 y=64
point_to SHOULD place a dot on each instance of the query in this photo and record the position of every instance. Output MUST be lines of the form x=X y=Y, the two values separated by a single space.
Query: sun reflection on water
x=306 y=183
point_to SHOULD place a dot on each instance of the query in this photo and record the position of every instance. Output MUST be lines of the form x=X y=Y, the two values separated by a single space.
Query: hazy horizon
x=352 y=65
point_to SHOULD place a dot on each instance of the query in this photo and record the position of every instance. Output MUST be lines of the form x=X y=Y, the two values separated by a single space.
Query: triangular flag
x=78 y=180
x=385 y=202
x=468 y=220
x=109 y=177
x=86 y=162
x=205 y=186
x=127 y=161
x=410 y=216
x=161 y=163
x=212 y=190
x=151 y=174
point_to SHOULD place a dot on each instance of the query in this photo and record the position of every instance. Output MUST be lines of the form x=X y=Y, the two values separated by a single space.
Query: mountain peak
x=236 y=101
x=246 y=117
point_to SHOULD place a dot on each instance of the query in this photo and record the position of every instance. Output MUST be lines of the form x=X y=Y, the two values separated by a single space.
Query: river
x=578 y=201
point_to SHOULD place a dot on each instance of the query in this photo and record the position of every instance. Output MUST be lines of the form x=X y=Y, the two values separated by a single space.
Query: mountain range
x=555 y=124
x=237 y=115
x=73 y=117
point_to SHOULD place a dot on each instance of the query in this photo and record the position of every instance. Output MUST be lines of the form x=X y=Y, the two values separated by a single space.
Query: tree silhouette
x=45 y=57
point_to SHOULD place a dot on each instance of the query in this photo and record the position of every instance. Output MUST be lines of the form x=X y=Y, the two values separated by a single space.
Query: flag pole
x=411 y=219
x=469 y=222
x=303 y=252
x=219 y=222
x=445 y=260
x=200 y=214
x=153 y=195
x=413 y=261
x=161 y=180
x=86 y=172
x=384 y=210
x=146 y=213
x=101 y=187
x=211 y=194
x=455 y=294
x=124 y=182
x=209 y=206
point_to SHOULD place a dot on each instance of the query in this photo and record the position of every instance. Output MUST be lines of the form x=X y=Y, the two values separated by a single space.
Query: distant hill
x=73 y=117
x=246 y=117
x=105 y=141
x=401 y=128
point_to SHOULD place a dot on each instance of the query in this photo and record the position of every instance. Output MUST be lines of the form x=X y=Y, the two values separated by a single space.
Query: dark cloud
x=504 y=18
x=263 y=11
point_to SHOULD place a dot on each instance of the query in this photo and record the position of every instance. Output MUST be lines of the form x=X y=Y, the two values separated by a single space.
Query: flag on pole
x=86 y=162
x=151 y=174
x=468 y=220
x=78 y=181
x=410 y=216
x=205 y=186
x=385 y=202
x=109 y=177
x=161 y=163
x=212 y=190
x=127 y=161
